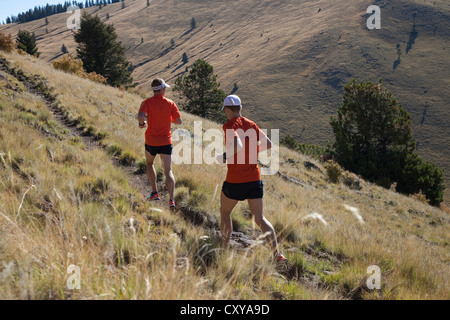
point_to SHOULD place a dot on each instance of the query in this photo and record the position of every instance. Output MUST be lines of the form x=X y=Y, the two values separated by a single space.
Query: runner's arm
x=231 y=148
x=265 y=144
x=142 y=116
x=177 y=121
x=175 y=116
x=237 y=146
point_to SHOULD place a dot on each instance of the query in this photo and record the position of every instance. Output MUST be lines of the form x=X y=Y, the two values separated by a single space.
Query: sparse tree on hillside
x=412 y=38
x=373 y=132
x=193 y=23
x=64 y=49
x=101 y=52
x=148 y=3
x=27 y=42
x=200 y=91
x=374 y=139
x=184 y=58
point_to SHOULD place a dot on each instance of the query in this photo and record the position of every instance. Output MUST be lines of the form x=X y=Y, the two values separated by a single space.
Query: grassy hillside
x=290 y=59
x=71 y=194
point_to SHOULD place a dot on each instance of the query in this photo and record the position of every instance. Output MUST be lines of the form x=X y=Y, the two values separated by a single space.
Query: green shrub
x=186 y=182
x=90 y=130
x=114 y=150
x=196 y=199
x=69 y=64
x=101 y=135
x=72 y=65
x=89 y=187
x=422 y=177
x=307 y=149
x=141 y=166
x=93 y=76
x=334 y=171
x=6 y=42
x=127 y=159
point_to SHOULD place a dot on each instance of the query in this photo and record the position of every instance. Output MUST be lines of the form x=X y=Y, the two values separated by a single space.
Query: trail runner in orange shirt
x=157 y=113
x=243 y=181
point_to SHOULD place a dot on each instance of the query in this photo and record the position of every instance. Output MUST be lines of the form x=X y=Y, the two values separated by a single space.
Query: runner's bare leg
x=226 y=225
x=170 y=178
x=151 y=172
x=256 y=208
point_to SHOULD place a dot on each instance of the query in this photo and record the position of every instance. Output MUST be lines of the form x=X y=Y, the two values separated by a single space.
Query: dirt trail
x=137 y=180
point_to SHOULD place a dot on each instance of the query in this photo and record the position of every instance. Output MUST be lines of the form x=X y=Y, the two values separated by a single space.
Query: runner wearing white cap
x=243 y=181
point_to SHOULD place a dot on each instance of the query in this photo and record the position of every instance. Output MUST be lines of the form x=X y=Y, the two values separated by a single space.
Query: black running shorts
x=159 y=150
x=243 y=191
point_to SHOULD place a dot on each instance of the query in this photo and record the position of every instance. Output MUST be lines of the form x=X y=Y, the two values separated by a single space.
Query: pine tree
x=101 y=52
x=193 y=23
x=200 y=91
x=374 y=139
x=27 y=42
x=64 y=49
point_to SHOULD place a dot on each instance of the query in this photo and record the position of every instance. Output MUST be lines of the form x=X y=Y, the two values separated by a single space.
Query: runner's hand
x=142 y=126
x=219 y=158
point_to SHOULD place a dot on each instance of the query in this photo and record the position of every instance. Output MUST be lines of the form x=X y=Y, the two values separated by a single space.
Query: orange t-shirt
x=242 y=169
x=160 y=113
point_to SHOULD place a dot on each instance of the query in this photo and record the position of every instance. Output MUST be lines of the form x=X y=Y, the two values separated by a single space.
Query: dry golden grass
x=63 y=203
x=290 y=75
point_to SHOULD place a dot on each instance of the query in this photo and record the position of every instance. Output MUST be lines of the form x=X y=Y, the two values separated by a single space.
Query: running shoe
x=153 y=196
x=172 y=204
x=280 y=258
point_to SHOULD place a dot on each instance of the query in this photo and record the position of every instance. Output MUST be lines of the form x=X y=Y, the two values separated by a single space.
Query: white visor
x=164 y=85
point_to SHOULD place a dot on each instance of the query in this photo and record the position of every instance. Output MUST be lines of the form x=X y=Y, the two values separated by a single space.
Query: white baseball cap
x=231 y=101
x=163 y=85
